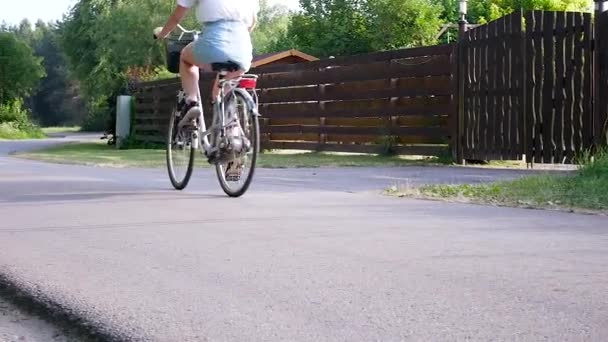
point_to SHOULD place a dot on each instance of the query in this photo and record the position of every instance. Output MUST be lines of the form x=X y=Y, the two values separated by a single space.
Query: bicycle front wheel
x=235 y=176
x=180 y=153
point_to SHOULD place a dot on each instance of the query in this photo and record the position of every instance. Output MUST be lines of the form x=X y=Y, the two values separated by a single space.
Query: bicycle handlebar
x=186 y=31
x=181 y=28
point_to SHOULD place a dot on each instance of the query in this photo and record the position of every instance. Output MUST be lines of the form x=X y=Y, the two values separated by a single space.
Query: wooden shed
x=284 y=57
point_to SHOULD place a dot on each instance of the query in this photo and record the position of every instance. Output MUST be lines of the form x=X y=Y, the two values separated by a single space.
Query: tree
x=21 y=71
x=482 y=11
x=346 y=27
x=331 y=27
x=399 y=24
x=54 y=102
x=104 y=39
x=273 y=22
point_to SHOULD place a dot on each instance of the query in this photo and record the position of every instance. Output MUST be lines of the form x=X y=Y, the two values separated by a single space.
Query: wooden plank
x=357 y=59
x=469 y=65
x=496 y=111
x=420 y=139
x=426 y=121
x=477 y=112
x=538 y=87
x=548 y=115
x=560 y=91
x=602 y=119
x=569 y=89
x=578 y=113
x=588 y=81
x=343 y=92
x=365 y=122
x=150 y=138
x=455 y=148
x=483 y=118
x=435 y=132
x=293 y=136
x=369 y=108
x=505 y=82
x=530 y=73
x=372 y=149
x=311 y=146
x=437 y=66
x=516 y=79
x=295 y=121
x=342 y=138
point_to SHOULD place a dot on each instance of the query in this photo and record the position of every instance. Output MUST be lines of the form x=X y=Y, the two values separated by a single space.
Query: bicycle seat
x=229 y=67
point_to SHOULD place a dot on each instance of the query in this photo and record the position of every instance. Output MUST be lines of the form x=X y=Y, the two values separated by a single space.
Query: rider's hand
x=157 y=32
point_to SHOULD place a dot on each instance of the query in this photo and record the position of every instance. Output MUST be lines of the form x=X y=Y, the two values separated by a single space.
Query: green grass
x=100 y=154
x=586 y=189
x=9 y=131
x=60 y=129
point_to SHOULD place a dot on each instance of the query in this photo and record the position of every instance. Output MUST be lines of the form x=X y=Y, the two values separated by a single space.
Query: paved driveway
x=306 y=255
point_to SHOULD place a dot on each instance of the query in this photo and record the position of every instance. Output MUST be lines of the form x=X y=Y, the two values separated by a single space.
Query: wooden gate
x=601 y=114
x=559 y=81
x=528 y=91
x=492 y=116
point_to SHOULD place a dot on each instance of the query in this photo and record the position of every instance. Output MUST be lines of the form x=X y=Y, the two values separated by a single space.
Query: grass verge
x=60 y=129
x=10 y=131
x=585 y=190
x=100 y=154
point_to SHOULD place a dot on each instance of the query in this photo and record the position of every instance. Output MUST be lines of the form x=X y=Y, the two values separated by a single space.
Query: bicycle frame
x=219 y=121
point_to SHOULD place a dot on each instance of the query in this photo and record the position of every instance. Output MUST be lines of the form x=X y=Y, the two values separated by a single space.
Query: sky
x=14 y=11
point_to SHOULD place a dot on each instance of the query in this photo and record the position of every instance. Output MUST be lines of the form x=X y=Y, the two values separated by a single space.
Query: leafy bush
x=15 y=122
x=96 y=120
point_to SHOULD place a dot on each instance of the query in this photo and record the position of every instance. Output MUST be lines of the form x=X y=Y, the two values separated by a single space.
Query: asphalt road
x=19 y=326
x=306 y=255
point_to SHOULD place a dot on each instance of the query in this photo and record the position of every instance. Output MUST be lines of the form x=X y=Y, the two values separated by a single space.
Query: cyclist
x=225 y=37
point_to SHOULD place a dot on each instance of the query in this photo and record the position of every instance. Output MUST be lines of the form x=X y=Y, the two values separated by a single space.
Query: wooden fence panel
x=559 y=89
x=493 y=92
x=601 y=115
x=344 y=104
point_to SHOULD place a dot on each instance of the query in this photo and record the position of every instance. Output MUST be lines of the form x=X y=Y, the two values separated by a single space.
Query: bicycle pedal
x=233 y=178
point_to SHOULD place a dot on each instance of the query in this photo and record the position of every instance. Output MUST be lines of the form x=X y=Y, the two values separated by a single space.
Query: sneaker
x=190 y=110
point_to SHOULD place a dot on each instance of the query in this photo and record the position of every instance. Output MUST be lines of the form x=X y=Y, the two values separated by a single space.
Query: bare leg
x=189 y=73
x=231 y=75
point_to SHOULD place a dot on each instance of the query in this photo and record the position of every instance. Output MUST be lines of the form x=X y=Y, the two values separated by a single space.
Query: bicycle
x=232 y=140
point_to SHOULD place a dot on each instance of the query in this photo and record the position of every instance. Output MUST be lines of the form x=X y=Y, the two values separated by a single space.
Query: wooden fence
x=533 y=83
x=601 y=92
x=399 y=99
x=528 y=91
x=492 y=64
x=559 y=85
x=358 y=104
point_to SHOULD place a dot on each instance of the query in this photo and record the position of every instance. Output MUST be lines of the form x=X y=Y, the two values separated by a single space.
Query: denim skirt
x=224 y=41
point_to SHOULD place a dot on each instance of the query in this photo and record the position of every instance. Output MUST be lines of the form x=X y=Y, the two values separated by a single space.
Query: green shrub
x=15 y=122
x=95 y=121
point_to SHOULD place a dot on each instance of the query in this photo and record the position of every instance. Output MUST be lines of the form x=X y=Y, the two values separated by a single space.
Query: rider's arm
x=175 y=18
x=253 y=23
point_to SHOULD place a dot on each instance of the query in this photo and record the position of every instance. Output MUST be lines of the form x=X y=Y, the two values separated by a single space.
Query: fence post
x=123 y=120
x=462 y=28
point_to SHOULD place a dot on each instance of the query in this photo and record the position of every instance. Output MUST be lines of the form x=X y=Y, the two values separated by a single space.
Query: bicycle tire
x=255 y=148
x=178 y=184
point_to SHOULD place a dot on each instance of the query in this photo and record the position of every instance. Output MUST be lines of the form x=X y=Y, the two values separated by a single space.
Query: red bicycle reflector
x=248 y=83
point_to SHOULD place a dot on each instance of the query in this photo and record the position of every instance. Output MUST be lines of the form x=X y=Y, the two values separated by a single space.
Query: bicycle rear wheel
x=180 y=153
x=236 y=186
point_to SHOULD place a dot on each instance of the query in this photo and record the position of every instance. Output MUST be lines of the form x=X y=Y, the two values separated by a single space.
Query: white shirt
x=214 y=10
